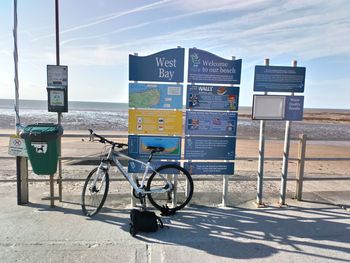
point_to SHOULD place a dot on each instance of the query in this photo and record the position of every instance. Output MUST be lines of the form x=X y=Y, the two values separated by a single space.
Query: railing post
x=224 y=190
x=260 y=178
x=300 y=167
x=133 y=199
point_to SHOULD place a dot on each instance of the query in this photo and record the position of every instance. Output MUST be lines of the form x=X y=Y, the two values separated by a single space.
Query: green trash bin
x=42 y=146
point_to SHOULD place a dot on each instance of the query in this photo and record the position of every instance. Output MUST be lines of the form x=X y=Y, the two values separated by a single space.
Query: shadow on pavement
x=240 y=233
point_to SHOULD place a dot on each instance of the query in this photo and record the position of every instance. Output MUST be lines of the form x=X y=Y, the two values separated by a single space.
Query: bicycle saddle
x=155 y=148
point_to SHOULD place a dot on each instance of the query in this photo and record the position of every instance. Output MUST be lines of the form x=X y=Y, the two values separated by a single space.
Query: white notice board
x=267 y=107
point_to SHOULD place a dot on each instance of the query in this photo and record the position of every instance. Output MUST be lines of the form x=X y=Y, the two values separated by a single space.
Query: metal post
x=225 y=178
x=133 y=199
x=59 y=114
x=57 y=24
x=52 y=193
x=21 y=162
x=285 y=157
x=300 y=167
x=224 y=190
x=174 y=193
x=260 y=178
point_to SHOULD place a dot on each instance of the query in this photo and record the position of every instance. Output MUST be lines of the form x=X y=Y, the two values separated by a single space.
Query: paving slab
x=299 y=232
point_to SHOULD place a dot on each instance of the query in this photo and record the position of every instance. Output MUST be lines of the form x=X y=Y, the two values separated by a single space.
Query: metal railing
x=299 y=178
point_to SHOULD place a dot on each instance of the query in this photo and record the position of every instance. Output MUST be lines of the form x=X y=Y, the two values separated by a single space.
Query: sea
x=105 y=116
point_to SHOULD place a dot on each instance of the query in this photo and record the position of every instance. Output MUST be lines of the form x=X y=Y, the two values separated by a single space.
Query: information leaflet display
x=210 y=148
x=138 y=147
x=211 y=123
x=206 y=168
x=161 y=122
x=155 y=96
x=212 y=98
x=278 y=107
x=205 y=67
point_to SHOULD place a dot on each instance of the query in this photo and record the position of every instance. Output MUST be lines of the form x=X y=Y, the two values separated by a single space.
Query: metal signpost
x=266 y=107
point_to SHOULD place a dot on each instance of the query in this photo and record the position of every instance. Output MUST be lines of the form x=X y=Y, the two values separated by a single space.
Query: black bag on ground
x=144 y=221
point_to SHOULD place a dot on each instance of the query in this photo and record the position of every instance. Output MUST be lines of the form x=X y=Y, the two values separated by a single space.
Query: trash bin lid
x=45 y=131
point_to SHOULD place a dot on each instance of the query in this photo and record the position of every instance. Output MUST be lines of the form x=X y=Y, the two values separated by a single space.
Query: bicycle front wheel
x=181 y=193
x=94 y=194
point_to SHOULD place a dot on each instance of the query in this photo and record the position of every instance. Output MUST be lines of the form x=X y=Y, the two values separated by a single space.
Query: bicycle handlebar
x=104 y=140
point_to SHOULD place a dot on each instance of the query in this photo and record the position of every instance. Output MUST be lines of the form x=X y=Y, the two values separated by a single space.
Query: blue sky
x=98 y=35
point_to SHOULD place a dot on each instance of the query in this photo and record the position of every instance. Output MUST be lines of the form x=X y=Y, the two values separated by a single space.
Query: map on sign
x=157 y=96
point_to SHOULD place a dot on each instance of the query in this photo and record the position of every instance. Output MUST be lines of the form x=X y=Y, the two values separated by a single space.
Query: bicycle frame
x=112 y=157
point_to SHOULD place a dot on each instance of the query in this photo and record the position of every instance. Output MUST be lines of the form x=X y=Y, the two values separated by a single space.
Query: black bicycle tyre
x=87 y=180
x=190 y=181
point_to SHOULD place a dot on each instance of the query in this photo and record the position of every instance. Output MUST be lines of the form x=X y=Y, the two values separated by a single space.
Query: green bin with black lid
x=42 y=146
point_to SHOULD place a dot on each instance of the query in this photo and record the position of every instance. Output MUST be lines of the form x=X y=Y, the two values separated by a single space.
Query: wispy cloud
x=107 y=18
x=257 y=29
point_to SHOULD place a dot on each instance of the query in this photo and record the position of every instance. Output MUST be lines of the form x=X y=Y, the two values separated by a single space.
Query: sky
x=96 y=37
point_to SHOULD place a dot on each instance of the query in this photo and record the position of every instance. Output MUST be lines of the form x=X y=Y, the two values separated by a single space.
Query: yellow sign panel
x=163 y=122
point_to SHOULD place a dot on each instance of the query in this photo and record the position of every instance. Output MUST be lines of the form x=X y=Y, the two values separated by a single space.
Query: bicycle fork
x=101 y=172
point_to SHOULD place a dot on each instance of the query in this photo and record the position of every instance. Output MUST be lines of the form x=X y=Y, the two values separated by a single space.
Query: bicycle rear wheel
x=181 y=193
x=94 y=196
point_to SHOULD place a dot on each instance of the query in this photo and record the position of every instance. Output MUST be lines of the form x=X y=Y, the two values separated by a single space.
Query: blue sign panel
x=164 y=66
x=155 y=96
x=138 y=146
x=210 y=148
x=279 y=79
x=211 y=123
x=294 y=108
x=204 y=168
x=205 y=67
x=212 y=98
x=135 y=167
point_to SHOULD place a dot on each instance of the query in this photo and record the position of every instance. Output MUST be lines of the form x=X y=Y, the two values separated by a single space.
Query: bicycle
x=169 y=188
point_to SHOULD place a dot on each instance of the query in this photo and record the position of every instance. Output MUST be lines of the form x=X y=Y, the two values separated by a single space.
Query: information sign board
x=57 y=75
x=211 y=123
x=279 y=79
x=271 y=107
x=205 y=67
x=210 y=148
x=17 y=146
x=207 y=168
x=164 y=66
x=212 y=98
x=158 y=96
x=138 y=146
x=167 y=122
x=294 y=108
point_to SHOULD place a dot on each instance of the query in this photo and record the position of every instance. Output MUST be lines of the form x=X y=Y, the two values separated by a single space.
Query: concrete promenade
x=310 y=231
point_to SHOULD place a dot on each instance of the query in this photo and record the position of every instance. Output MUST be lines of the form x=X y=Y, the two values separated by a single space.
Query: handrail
x=300 y=159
